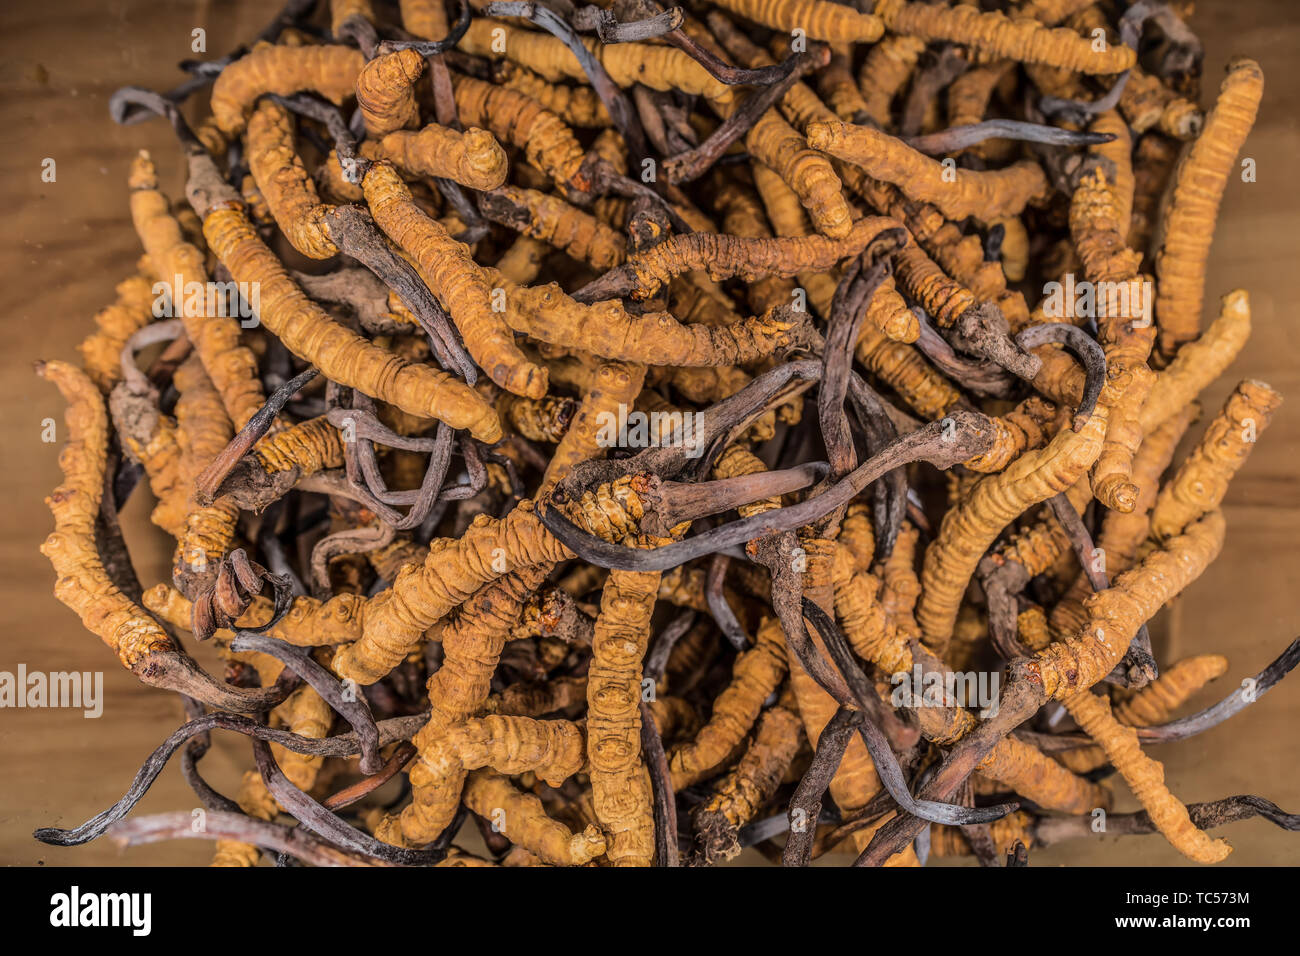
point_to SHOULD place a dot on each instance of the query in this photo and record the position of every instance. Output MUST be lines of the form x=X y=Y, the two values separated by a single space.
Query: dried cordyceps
x=770 y=628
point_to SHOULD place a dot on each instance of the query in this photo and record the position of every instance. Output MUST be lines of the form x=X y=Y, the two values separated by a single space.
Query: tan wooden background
x=66 y=244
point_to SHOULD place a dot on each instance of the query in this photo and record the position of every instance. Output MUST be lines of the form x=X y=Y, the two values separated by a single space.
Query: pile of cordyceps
x=627 y=430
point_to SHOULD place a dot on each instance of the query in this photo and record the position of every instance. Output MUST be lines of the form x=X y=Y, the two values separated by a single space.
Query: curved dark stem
x=356 y=711
x=661 y=782
x=957 y=138
x=964 y=435
x=208 y=483
x=1233 y=704
x=722 y=71
x=354 y=231
x=715 y=593
x=609 y=29
x=315 y=818
x=403 y=755
x=720 y=423
x=238 y=581
x=315 y=108
x=984 y=378
x=1214 y=813
x=361 y=32
x=882 y=755
x=1083 y=347
x=293 y=841
x=692 y=164
x=433 y=47
x=657 y=659
x=343 y=745
x=853 y=295
x=890 y=493
x=1139 y=664
x=157 y=104
x=367 y=481
x=806 y=803
x=1081 y=112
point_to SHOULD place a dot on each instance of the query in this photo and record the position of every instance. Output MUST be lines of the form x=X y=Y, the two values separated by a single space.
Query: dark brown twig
x=661 y=782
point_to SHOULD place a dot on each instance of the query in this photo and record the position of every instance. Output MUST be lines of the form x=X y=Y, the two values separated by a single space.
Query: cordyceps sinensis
x=968 y=529
x=1187 y=228
x=524 y=821
x=386 y=92
x=756 y=674
x=204 y=431
x=640 y=343
x=1198 y=362
x=818 y=19
x=1019 y=766
x=84 y=585
x=1201 y=481
x=658 y=67
x=1145 y=777
x=553 y=750
x=182 y=267
x=132 y=310
x=557 y=223
x=548 y=144
x=330 y=71
x=464 y=289
x=725 y=257
x=606 y=329
x=1115 y=614
x=473 y=158
x=959 y=193
x=1153 y=704
x=994 y=34
x=741 y=794
x=309 y=332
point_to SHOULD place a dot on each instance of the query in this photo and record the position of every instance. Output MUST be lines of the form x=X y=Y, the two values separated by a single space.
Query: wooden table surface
x=67 y=243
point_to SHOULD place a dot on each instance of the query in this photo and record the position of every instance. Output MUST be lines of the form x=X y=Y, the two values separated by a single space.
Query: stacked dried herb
x=626 y=427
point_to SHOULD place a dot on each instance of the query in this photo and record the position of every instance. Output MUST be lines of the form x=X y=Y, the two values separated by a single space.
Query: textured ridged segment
x=386 y=92
x=231 y=366
x=613 y=386
x=461 y=286
x=330 y=71
x=968 y=529
x=396 y=619
x=576 y=105
x=607 y=330
x=1146 y=778
x=1187 y=228
x=525 y=823
x=756 y=673
x=1201 y=481
x=725 y=256
x=552 y=749
x=818 y=19
x=619 y=783
x=995 y=35
x=548 y=144
x=83 y=585
x=957 y=193
x=1115 y=614
x=101 y=351
x=473 y=158
x=661 y=68
x=1199 y=363
x=342 y=355
x=284 y=183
